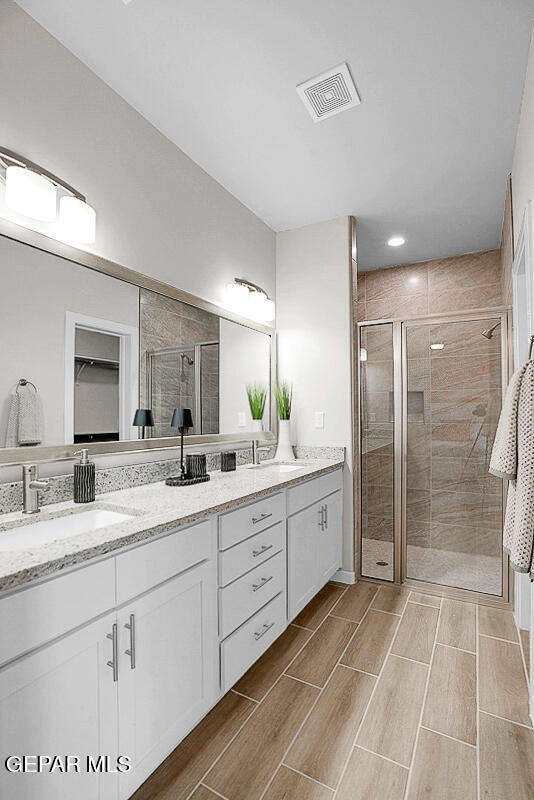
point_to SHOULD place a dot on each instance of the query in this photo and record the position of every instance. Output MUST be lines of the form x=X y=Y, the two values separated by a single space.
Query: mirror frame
x=84 y=258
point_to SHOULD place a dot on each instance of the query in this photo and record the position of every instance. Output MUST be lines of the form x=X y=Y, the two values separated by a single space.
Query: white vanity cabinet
x=314 y=537
x=61 y=700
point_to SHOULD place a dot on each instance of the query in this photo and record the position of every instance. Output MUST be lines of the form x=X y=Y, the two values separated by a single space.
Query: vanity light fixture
x=438 y=346
x=396 y=241
x=32 y=191
x=249 y=300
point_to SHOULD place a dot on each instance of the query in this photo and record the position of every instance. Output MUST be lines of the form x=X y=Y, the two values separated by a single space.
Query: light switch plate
x=241 y=419
x=319 y=419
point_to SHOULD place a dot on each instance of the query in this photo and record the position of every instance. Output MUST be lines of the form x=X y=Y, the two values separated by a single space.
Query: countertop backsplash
x=113 y=479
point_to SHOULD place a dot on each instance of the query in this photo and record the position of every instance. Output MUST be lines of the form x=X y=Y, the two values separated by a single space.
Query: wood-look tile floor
x=372 y=694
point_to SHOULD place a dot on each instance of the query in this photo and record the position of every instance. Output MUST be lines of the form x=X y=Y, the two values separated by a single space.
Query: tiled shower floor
x=373 y=694
x=479 y=573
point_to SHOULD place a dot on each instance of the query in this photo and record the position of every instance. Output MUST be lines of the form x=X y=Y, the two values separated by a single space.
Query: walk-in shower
x=430 y=398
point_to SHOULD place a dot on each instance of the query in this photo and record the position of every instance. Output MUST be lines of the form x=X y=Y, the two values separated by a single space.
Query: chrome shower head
x=487 y=333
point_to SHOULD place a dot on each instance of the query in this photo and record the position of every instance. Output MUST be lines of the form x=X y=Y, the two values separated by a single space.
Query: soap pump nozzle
x=84 y=455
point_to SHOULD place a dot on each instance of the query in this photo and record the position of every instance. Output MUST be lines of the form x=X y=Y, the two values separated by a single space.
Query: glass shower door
x=452 y=391
x=377 y=428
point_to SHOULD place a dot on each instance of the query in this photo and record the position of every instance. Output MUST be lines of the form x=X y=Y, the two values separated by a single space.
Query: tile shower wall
x=441 y=457
x=165 y=322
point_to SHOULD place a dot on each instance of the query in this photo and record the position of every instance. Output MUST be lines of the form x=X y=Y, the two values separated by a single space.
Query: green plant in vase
x=283 y=393
x=257 y=395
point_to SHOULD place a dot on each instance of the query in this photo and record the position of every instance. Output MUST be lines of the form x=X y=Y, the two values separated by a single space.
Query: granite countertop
x=154 y=508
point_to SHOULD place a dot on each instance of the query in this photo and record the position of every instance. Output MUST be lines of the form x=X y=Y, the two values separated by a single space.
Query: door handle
x=265 y=627
x=255 y=520
x=114 y=663
x=131 y=650
x=263 y=581
x=261 y=550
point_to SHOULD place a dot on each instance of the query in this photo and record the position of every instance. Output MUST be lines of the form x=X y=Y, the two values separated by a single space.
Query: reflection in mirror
x=51 y=311
x=83 y=352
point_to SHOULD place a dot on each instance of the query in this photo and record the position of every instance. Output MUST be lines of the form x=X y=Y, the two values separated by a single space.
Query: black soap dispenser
x=84 y=478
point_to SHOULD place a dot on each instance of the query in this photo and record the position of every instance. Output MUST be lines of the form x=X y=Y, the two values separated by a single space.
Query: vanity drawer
x=248 y=594
x=304 y=494
x=36 y=615
x=240 y=650
x=250 y=553
x=244 y=522
x=158 y=560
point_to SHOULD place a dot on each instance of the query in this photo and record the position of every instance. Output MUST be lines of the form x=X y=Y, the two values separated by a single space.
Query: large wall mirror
x=84 y=350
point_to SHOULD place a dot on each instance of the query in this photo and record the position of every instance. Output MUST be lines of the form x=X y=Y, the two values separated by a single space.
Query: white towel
x=24 y=424
x=512 y=458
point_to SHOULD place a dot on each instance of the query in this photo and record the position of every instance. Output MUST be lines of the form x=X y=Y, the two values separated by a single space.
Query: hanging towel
x=512 y=458
x=24 y=425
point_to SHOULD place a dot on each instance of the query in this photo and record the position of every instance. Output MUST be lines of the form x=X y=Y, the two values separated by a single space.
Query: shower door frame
x=400 y=424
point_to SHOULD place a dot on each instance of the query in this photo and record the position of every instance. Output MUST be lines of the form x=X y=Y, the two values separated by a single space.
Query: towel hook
x=24 y=382
x=531 y=346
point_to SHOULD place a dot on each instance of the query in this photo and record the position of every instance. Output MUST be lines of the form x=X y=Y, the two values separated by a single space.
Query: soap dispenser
x=84 y=478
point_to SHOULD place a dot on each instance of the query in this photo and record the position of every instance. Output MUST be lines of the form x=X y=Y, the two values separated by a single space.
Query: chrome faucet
x=256 y=450
x=30 y=489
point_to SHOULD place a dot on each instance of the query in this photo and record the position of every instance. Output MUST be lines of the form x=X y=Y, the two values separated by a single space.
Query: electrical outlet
x=241 y=419
x=319 y=420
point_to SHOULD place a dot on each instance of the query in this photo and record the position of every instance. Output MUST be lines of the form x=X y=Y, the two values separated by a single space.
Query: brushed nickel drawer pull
x=114 y=663
x=130 y=626
x=265 y=627
x=321 y=518
x=263 y=516
x=263 y=581
x=326 y=515
x=261 y=550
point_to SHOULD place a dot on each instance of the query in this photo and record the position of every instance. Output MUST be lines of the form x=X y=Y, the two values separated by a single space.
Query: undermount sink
x=279 y=468
x=27 y=534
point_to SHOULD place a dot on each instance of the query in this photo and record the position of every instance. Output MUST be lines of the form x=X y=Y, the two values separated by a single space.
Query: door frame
x=399 y=328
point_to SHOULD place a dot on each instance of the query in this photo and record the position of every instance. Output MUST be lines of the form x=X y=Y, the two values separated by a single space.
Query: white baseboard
x=344 y=576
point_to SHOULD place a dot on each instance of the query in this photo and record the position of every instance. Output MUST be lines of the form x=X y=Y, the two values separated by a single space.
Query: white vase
x=284 y=451
x=257 y=424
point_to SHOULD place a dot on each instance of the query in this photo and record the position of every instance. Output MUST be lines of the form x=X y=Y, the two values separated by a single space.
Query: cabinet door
x=302 y=531
x=61 y=700
x=173 y=680
x=329 y=538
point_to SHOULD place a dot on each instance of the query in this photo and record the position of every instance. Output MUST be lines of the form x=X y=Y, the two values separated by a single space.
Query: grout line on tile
x=319 y=694
x=211 y=790
x=448 y=736
x=453 y=647
x=258 y=704
x=324 y=785
x=505 y=719
x=355 y=669
x=364 y=715
x=413 y=660
x=417 y=603
x=302 y=627
x=244 y=695
x=498 y=638
x=416 y=741
x=391 y=613
x=379 y=755
x=301 y=681
x=523 y=655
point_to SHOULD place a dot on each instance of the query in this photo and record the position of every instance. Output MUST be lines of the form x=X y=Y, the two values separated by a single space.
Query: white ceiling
x=425 y=155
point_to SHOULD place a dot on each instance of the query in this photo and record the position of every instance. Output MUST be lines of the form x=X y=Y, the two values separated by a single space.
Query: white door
x=171 y=679
x=329 y=550
x=302 y=532
x=61 y=700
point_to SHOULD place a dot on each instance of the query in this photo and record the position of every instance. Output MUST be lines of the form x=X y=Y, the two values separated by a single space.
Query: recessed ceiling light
x=396 y=241
x=437 y=346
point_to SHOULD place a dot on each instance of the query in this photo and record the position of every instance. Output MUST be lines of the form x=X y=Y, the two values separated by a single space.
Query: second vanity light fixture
x=249 y=300
x=32 y=191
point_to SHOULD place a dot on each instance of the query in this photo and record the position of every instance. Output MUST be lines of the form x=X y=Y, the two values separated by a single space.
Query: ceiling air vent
x=330 y=93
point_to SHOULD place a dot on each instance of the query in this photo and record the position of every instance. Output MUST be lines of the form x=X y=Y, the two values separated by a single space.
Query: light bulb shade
x=237 y=297
x=182 y=418
x=256 y=305
x=144 y=418
x=269 y=310
x=31 y=194
x=77 y=220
